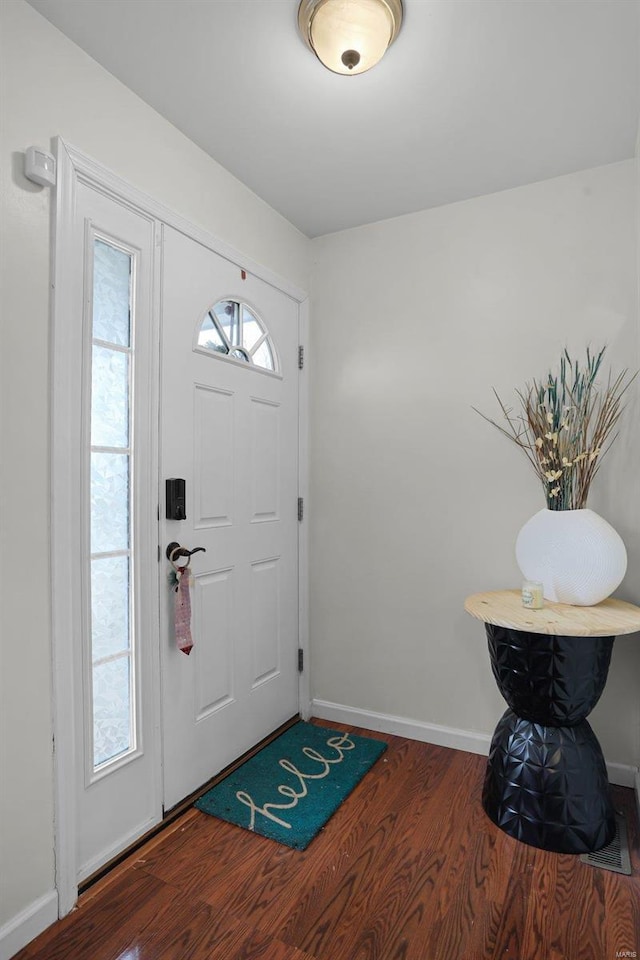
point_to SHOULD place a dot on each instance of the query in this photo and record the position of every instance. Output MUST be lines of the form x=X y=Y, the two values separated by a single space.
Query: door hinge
x=300 y=357
x=300 y=659
x=300 y=509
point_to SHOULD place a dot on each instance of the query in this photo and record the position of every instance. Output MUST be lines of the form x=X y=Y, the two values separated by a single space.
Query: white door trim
x=66 y=358
x=65 y=565
x=304 y=687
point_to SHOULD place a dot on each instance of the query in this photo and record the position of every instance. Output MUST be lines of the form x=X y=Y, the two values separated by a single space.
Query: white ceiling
x=475 y=96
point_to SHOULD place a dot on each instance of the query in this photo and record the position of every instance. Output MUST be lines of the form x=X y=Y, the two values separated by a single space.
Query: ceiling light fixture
x=349 y=36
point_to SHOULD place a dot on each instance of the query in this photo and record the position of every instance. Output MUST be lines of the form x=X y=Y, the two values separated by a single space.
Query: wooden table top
x=611 y=618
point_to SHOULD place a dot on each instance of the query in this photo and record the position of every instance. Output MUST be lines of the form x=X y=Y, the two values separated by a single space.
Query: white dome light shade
x=349 y=36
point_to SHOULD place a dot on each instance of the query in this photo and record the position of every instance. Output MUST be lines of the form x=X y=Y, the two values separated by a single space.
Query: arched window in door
x=233 y=331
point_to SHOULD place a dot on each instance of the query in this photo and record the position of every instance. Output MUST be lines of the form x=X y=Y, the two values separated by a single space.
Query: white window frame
x=93 y=773
x=67 y=451
x=266 y=336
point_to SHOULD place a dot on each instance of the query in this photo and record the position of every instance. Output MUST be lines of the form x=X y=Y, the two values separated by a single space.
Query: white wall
x=50 y=87
x=416 y=502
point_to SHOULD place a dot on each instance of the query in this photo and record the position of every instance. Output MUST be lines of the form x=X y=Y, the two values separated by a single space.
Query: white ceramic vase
x=576 y=555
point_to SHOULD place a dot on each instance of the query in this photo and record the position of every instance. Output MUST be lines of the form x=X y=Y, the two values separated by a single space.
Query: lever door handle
x=174 y=550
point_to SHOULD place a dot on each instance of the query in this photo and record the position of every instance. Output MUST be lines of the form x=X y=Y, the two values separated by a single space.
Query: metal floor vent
x=615 y=856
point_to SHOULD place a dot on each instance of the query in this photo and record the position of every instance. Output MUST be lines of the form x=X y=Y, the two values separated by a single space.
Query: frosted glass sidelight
x=109 y=398
x=111 y=293
x=109 y=502
x=111 y=639
x=111 y=710
x=109 y=606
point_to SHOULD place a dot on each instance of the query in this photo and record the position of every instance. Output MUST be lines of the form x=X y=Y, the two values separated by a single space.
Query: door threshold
x=179 y=810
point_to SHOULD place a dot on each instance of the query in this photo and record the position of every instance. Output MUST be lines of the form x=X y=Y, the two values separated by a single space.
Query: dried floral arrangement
x=565 y=425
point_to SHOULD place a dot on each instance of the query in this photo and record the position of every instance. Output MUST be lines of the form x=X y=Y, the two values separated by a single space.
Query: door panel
x=230 y=430
x=213 y=465
x=213 y=595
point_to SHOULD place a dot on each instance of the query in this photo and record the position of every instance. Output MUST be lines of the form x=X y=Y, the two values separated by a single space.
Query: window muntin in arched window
x=231 y=329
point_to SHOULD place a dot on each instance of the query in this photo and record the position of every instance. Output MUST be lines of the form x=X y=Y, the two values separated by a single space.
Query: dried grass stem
x=565 y=426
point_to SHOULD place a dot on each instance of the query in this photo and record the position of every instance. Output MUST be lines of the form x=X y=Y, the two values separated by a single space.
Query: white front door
x=229 y=429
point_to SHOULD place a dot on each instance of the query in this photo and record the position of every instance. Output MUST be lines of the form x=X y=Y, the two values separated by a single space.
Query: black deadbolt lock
x=176 y=503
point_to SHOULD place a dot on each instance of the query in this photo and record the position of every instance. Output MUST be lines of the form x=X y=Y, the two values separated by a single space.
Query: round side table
x=546 y=781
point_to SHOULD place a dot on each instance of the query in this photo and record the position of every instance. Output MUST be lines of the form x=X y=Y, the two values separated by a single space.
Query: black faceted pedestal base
x=546 y=782
x=548 y=786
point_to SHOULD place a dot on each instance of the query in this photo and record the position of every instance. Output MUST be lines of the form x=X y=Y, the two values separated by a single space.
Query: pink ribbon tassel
x=182 y=612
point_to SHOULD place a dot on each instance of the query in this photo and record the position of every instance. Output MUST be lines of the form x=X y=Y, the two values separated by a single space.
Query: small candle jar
x=532 y=596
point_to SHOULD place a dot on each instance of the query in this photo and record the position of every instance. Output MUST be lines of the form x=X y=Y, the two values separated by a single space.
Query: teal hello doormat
x=292 y=787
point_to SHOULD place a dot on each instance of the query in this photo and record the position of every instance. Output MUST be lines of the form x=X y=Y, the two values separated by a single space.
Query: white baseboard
x=622 y=774
x=26 y=925
x=468 y=740
x=403 y=727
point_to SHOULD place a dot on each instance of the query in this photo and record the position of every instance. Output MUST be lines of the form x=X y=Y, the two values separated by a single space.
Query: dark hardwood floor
x=409 y=868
